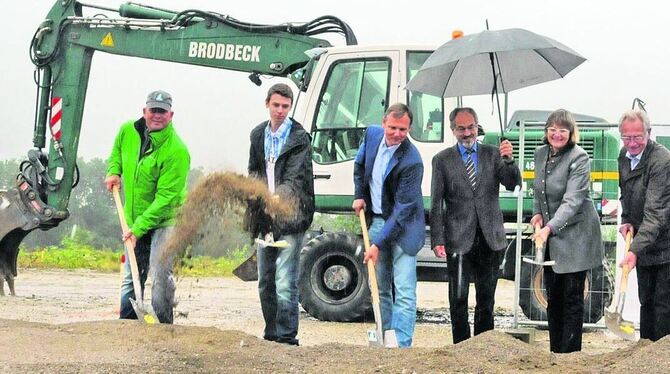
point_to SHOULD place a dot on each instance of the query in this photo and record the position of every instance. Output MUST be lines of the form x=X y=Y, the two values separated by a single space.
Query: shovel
x=248 y=270
x=143 y=313
x=613 y=319
x=539 y=251
x=376 y=337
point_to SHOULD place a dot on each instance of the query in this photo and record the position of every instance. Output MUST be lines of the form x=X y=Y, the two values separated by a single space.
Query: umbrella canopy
x=493 y=61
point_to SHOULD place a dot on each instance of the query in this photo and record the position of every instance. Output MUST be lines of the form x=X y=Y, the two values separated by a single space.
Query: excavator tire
x=533 y=297
x=333 y=280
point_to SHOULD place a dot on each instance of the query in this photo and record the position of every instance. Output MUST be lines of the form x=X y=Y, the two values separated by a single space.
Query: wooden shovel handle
x=626 y=269
x=130 y=248
x=538 y=241
x=119 y=209
x=372 y=276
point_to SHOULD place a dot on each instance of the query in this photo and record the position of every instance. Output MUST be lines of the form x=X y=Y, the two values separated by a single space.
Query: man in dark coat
x=466 y=223
x=281 y=155
x=644 y=178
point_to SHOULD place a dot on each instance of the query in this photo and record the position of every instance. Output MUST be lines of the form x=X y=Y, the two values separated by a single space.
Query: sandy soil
x=66 y=322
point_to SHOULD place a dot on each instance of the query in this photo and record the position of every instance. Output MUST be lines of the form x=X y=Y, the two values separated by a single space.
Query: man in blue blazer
x=387 y=176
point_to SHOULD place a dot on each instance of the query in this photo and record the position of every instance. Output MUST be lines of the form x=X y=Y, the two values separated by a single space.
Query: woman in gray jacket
x=570 y=228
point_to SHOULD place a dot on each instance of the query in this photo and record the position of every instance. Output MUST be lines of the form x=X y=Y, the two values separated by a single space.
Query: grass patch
x=206 y=266
x=71 y=255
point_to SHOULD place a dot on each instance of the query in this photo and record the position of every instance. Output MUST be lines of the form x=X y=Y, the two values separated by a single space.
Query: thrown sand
x=213 y=197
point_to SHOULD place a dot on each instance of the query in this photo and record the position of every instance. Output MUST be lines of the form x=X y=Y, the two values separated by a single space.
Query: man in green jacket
x=152 y=162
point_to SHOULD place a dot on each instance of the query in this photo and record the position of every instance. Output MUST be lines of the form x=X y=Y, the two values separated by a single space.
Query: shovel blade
x=618 y=326
x=376 y=336
x=247 y=271
x=542 y=263
x=390 y=340
x=144 y=314
x=374 y=340
x=278 y=244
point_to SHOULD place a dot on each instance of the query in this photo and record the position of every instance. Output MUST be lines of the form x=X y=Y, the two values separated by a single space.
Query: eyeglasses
x=554 y=130
x=460 y=129
x=158 y=110
x=636 y=138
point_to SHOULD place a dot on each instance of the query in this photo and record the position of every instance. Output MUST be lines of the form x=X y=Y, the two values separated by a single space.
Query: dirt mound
x=129 y=346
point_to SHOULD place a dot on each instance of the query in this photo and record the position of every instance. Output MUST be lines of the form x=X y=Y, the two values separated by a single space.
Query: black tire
x=600 y=294
x=533 y=296
x=333 y=280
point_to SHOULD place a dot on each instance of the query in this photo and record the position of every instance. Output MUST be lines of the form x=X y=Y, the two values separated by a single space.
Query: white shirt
x=634 y=160
x=384 y=154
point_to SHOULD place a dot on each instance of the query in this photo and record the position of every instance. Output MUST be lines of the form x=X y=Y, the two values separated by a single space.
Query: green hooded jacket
x=153 y=172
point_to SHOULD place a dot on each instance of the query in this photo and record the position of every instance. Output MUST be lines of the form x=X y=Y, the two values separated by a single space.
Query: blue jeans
x=396 y=269
x=278 y=272
x=147 y=252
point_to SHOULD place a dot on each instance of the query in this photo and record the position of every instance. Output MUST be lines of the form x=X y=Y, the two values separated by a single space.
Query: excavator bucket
x=14 y=226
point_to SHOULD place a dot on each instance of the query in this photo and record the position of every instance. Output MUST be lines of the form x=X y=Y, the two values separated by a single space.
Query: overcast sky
x=624 y=43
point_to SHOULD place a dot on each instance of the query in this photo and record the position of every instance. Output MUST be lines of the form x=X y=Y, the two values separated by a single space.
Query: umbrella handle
x=502 y=139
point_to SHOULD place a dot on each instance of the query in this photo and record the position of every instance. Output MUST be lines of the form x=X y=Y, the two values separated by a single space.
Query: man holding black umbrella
x=466 y=223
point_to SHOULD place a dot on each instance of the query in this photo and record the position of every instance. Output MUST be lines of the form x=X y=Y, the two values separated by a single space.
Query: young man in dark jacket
x=644 y=178
x=281 y=155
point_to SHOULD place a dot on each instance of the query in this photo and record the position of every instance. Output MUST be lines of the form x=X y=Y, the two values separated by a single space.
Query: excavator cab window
x=355 y=97
x=428 y=124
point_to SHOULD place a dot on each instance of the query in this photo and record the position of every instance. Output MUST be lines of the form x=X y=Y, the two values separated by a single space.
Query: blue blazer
x=402 y=200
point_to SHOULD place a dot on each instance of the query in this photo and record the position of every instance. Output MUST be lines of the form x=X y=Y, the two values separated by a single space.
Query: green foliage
x=70 y=255
x=206 y=266
x=337 y=222
x=73 y=254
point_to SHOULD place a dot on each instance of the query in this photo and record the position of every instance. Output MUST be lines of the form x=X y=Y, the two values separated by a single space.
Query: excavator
x=62 y=49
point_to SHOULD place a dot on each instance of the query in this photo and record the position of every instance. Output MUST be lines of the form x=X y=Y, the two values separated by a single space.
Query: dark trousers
x=565 y=309
x=653 y=284
x=480 y=264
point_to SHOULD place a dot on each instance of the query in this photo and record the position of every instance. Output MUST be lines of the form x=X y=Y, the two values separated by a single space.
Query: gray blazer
x=561 y=195
x=457 y=210
x=645 y=198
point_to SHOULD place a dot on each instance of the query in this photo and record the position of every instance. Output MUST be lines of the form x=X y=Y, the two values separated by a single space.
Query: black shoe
x=289 y=341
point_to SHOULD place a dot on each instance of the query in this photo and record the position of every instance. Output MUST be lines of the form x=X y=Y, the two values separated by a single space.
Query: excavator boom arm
x=62 y=50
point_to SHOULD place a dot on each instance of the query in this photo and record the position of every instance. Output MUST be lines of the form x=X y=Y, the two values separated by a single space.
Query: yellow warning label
x=107 y=41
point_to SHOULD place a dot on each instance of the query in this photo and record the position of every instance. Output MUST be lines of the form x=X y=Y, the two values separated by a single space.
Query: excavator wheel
x=333 y=280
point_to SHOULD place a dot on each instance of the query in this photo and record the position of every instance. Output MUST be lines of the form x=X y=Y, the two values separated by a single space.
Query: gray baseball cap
x=159 y=99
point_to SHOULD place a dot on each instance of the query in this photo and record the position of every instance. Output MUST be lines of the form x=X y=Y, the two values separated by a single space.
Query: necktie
x=470 y=168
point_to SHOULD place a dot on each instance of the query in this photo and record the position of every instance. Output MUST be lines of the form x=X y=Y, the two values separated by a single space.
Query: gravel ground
x=64 y=321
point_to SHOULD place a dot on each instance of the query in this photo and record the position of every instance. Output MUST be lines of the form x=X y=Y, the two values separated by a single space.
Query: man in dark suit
x=387 y=176
x=644 y=178
x=466 y=223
